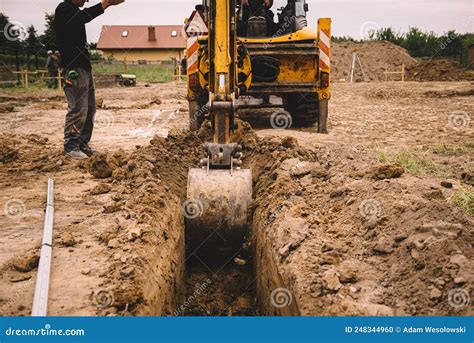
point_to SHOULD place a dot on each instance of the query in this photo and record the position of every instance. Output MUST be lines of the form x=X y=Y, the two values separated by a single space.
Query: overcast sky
x=350 y=17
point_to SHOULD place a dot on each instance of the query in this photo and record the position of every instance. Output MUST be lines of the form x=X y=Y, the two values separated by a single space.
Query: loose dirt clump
x=7 y=152
x=99 y=167
x=101 y=188
x=26 y=263
x=387 y=171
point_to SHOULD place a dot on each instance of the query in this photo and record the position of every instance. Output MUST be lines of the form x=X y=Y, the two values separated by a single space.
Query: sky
x=350 y=17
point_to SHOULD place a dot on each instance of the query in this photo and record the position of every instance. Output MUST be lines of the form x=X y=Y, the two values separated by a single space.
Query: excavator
x=236 y=61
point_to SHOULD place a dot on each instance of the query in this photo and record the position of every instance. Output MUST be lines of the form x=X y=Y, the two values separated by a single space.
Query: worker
x=258 y=8
x=76 y=67
x=57 y=66
x=57 y=54
x=51 y=64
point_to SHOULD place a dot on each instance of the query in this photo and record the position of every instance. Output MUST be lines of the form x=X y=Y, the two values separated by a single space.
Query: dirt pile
x=146 y=242
x=376 y=57
x=31 y=153
x=359 y=239
x=438 y=70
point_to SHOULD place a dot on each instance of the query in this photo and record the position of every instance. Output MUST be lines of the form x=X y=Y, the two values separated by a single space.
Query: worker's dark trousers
x=81 y=110
x=53 y=82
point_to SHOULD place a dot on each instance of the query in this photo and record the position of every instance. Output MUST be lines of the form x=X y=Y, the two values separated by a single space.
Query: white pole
x=361 y=68
x=353 y=66
x=40 y=300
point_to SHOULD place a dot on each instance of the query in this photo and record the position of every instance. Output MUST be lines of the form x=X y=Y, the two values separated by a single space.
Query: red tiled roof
x=111 y=37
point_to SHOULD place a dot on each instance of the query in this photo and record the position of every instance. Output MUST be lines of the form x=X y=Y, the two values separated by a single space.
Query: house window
x=174 y=33
x=124 y=33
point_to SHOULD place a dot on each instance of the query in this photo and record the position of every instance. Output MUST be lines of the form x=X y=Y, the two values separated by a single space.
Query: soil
x=336 y=229
x=378 y=57
x=439 y=70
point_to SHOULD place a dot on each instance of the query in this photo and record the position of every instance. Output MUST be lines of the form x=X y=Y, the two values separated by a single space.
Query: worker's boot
x=76 y=154
x=86 y=149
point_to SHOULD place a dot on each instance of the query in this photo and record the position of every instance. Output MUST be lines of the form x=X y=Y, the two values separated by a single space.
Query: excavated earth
x=362 y=221
x=375 y=58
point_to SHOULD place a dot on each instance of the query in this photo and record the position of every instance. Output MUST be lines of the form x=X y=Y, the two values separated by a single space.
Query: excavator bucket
x=216 y=210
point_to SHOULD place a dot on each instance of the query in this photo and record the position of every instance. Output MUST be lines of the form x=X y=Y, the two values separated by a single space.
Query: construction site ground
x=366 y=220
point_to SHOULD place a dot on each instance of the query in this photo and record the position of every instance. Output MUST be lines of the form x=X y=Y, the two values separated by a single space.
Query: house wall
x=144 y=54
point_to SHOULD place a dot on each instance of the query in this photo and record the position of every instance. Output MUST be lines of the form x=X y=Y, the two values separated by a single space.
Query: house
x=142 y=43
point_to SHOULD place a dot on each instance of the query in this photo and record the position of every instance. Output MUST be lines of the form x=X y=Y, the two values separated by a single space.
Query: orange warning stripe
x=324 y=49
x=192 y=54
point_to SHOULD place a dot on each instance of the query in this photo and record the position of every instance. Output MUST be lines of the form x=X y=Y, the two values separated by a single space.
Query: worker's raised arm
x=107 y=3
x=74 y=15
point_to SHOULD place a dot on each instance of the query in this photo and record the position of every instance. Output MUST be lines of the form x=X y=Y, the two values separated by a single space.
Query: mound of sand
x=376 y=57
x=438 y=70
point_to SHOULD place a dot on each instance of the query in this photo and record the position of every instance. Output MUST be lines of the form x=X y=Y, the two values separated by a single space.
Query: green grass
x=444 y=150
x=416 y=164
x=144 y=73
x=464 y=199
x=38 y=87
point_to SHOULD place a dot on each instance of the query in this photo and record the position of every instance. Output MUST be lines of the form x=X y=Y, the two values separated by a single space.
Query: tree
x=9 y=44
x=32 y=46
x=390 y=35
x=48 y=38
x=450 y=44
x=338 y=39
x=419 y=43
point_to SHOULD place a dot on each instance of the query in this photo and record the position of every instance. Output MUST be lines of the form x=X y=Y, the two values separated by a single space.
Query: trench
x=214 y=285
x=195 y=284
x=238 y=284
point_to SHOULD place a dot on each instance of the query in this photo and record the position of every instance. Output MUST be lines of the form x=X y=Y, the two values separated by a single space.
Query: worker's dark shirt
x=69 y=22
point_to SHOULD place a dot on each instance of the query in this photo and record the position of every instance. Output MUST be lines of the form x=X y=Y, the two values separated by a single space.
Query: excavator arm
x=220 y=190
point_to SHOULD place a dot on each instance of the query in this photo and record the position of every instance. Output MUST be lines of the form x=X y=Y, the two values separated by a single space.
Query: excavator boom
x=220 y=190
